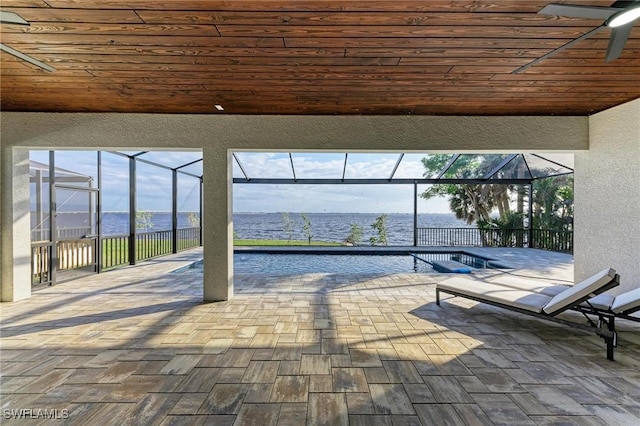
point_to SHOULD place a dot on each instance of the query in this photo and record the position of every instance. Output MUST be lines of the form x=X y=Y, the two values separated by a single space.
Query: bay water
x=334 y=227
x=330 y=227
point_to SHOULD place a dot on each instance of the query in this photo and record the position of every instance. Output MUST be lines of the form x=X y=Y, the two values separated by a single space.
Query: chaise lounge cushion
x=584 y=289
x=601 y=302
x=497 y=293
x=530 y=284
x=627 y=302
x=523 y=295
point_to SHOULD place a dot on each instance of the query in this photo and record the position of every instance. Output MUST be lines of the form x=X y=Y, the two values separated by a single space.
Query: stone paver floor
x=138 y=346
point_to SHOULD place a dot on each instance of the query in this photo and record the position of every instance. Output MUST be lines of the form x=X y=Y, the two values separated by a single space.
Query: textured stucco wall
x=215 y=135
x=15 y=272
x=404 y=133
x=607 y=194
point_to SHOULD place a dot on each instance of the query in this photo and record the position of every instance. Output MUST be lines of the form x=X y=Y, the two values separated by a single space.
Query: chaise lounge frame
x=607 y=317
x=604 y=328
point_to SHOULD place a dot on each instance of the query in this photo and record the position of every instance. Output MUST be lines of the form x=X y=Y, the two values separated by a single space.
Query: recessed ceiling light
x=219 y=107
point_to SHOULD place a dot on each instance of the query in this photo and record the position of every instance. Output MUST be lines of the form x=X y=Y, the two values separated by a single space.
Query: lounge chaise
x=537 y=303
x=620 y=306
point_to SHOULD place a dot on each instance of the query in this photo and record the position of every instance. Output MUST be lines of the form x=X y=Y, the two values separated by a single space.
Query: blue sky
x=330 y=198
x=154 y=184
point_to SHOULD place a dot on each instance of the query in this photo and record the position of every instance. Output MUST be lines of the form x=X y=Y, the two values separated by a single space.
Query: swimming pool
x=296 y=264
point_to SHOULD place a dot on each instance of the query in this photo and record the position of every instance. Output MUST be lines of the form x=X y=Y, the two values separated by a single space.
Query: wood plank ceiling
x=442 y=57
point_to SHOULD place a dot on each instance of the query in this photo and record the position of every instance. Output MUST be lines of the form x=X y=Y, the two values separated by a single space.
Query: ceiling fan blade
x=618 y=38
x=576 y=11
x=27 y=58
x=12 y=18
x=560 y=49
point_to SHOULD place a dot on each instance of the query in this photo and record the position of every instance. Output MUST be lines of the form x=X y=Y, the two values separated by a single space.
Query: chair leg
x=610 y=348
x=611 y=339
x=438 y=296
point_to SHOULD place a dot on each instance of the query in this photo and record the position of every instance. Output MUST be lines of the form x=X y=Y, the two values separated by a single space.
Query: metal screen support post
x=99 y=218
x=39 y=203
x=200 y=221
x=174 y=211
x=53 y=258
x=132 y=210
x=530 y=227
x=415 y=214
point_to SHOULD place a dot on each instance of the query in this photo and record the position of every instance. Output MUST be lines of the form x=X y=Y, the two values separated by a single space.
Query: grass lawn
x=115 y=252
x=281 y=243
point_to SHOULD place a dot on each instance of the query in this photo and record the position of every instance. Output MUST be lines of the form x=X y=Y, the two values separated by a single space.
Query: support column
x=607 y=194
x=217 y=224
x=15 y=272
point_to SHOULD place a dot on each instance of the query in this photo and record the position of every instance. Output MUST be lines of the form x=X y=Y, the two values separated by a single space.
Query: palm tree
x=553 y=203
x=504 y=231
x=499 y=193
x=470 y=203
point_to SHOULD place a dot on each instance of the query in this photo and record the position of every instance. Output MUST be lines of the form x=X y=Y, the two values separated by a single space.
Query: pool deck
x=138 y=346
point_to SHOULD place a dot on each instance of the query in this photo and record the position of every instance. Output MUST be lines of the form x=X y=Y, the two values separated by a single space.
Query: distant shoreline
x=326 y=227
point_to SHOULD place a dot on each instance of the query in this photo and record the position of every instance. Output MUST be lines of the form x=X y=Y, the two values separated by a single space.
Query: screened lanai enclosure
x=521 y=190
x=95 y=211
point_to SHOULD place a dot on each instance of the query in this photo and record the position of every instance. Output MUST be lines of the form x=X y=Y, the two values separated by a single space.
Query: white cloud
x=154 y=184
x=331 y=198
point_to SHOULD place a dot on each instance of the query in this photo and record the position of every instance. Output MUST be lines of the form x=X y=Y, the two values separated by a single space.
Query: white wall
x=607 y=197
x=217 y=134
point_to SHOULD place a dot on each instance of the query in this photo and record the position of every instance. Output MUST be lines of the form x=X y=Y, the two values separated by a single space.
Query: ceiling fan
x=14 y=18
x=620 y=17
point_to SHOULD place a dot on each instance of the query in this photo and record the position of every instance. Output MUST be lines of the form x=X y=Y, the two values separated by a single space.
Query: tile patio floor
x=138 y=346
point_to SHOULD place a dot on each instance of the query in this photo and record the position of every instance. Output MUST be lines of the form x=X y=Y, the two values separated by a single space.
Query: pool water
x=295 y=264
